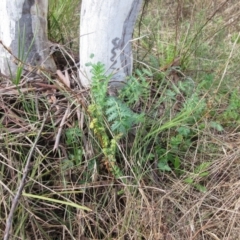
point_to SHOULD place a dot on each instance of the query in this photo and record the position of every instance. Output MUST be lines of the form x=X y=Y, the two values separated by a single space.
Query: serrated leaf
x=177 y=163
x=188 y=180
x=163 y=166
x=183 y=130
x=202 y=167
x=204 y=174
x=216 y=126
x=200 y=187
x=147 y=72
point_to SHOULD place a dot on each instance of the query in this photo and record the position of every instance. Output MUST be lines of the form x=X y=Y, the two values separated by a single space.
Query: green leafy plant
x=231 y=114
x=200 y=172
x=169 y=53
x=136 y=87
x=182 y=128
x=168 y=161
x=74 y=149
x=120 y=116
x=108 y=111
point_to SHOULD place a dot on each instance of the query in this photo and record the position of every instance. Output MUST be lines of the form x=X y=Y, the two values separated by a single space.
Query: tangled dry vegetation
x=67 y=167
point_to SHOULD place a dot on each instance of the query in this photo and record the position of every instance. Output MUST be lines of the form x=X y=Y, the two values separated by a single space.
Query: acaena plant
x=108 y=112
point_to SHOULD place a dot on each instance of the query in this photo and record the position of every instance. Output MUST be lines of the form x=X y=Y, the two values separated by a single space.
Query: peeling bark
x=23 y=30
x=106 y=28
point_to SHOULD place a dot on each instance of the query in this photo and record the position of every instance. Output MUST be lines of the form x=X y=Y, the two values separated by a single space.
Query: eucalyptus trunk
x=23 y=34
x=106 y=29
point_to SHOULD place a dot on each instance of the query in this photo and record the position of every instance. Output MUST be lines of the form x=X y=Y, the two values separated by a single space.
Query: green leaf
x=183 y=130
x=163 y=166
x=67 y=164
x=120 y=116
x=147 y=72
x=202 y=167
x=175 y=141
x=177 y=163
x=170 y=94
x=72 y=135
x=204 y=174
x=188 y=180
x=216 y=126
x=200 y=187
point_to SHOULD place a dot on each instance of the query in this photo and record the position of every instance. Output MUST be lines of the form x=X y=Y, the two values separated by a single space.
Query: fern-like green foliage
x=120 y=116
x=232 y=111
x=136 y=87
x=99 y=83
x=196 y=106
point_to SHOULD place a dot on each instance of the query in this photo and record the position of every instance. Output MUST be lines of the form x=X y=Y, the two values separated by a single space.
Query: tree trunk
x=106 y=28
x=23 y=30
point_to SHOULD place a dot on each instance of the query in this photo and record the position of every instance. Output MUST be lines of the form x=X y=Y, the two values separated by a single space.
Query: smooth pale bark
x=23 y=30
x=106 y=28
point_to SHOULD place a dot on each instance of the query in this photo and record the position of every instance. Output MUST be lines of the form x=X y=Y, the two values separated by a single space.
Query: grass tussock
x=164 y=166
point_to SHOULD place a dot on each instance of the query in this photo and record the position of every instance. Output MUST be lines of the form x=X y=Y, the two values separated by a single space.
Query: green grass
x=162 y=164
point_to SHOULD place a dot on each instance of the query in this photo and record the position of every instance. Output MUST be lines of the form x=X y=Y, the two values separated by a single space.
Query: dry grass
x=152 y=204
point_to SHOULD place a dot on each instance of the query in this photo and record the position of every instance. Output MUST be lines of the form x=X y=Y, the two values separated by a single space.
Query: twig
x=66 y=115
x=21 y=186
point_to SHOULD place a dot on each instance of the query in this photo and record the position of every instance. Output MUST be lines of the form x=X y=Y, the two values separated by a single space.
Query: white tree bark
x=23 y=30
x=106 y=28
